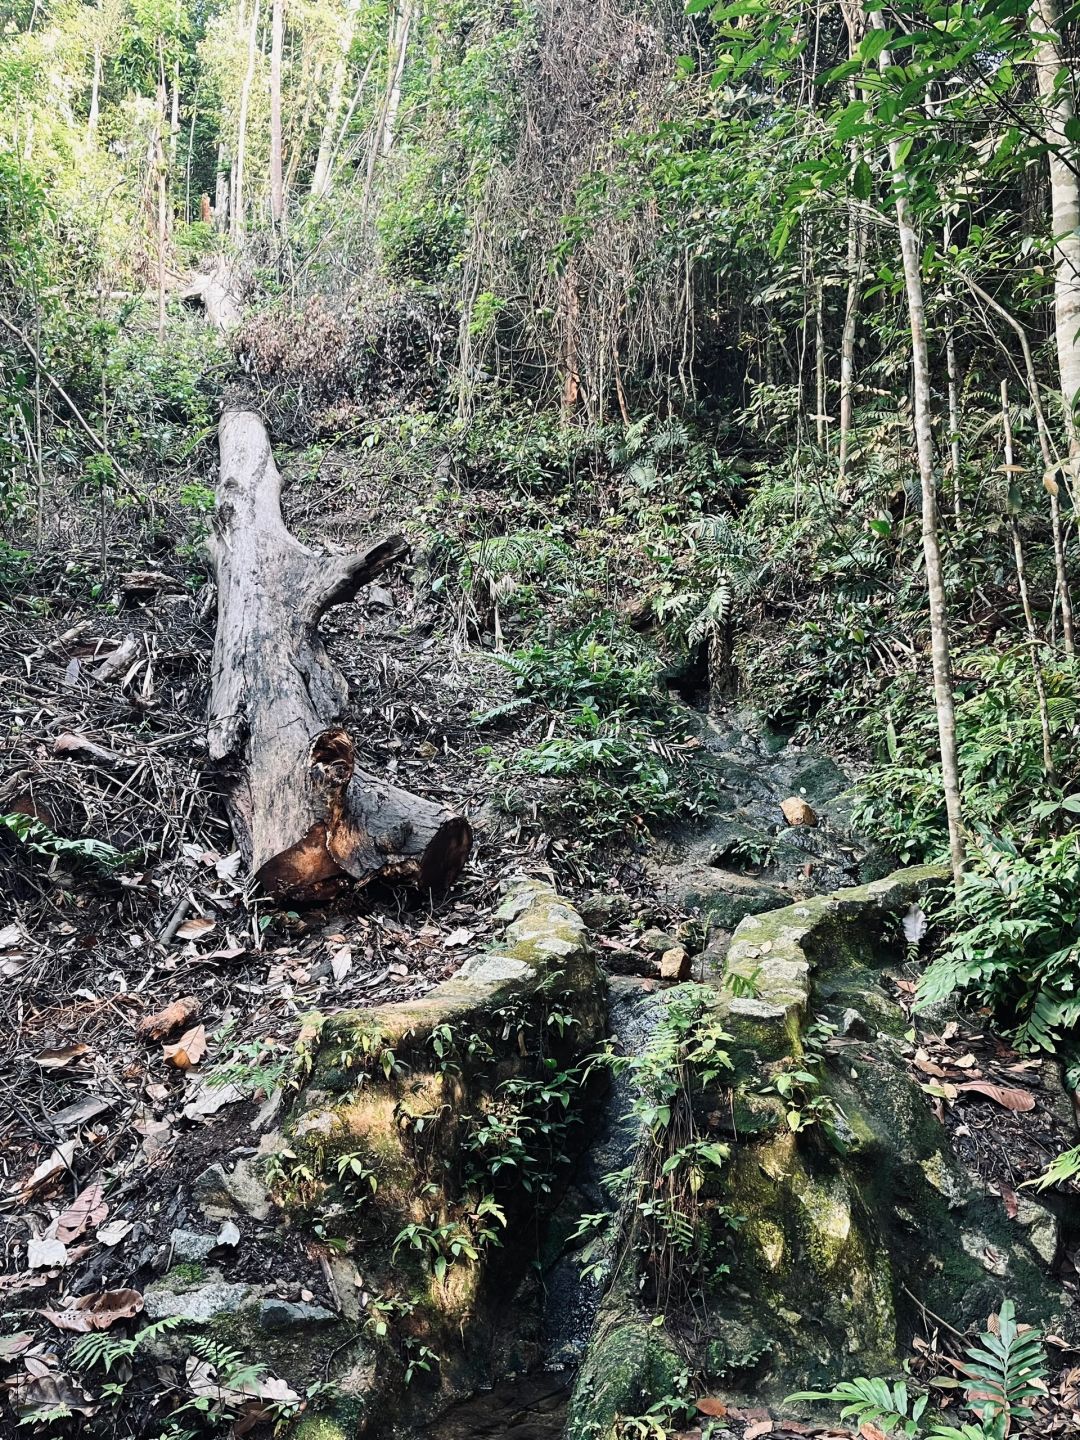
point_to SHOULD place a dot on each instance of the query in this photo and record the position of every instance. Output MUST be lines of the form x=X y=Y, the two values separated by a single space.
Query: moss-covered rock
x=630 y=1364
x=426 y=1140
x=851 y=1211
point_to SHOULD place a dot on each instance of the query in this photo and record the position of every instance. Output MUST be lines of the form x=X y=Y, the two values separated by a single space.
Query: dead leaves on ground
x=63 y=1057
x=954 y=1075
x=97 y=1311
x=188 y=1050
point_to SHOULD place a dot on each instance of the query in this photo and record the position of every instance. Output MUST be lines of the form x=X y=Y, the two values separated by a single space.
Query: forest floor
x=102 y=705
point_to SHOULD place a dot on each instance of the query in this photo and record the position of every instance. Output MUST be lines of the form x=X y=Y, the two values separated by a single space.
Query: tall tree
x=1061 y=136
x=924 y=444
x=238 y=214
x=277 y=188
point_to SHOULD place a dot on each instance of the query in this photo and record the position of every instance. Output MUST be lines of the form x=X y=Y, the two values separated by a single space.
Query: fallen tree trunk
x=216 y=289
x=305 y=817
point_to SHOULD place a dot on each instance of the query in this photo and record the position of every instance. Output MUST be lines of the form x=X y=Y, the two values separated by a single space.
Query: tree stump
x=304 y=816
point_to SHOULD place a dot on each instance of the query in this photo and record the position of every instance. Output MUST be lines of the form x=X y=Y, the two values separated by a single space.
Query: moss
x=319 y=1427
x=626 y=1371
x=188 y=1272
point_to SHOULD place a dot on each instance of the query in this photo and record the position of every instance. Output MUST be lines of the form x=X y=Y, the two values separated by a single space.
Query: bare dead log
x=304 y=815
x=216 y=289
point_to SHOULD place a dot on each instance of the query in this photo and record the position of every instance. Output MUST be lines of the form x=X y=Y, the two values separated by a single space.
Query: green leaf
x=862 y=185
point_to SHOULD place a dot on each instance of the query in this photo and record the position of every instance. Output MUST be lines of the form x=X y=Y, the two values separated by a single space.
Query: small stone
x=202 y=1303
x=853 y=1024
x=286 y=1315
x=675 y=964
x=656 y=942
x=188 y=1246
x=221 y=1195
x=797 y=811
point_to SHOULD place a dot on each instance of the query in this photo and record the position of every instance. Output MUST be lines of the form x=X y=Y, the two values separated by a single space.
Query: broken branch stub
x=303 y=813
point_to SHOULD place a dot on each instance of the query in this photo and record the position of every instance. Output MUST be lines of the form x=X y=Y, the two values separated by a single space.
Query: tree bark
x=237 y=217
x=320 y=182
x=924 y=444
x=305 y=817
x=277 y=187
x=95 y=92
x=1021 y=580
x=1065 y=204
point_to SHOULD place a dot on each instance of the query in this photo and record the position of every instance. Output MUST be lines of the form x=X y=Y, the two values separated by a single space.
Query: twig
x=167 y=935
x=936 y=1318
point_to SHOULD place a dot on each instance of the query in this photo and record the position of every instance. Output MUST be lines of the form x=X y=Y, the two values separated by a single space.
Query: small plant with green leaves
x=442 y=1244
x=687 y=1055
x=40 y=840
x=1002 y=1375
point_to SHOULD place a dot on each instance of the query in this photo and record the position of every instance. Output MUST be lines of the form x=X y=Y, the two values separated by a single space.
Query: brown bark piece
x=177 y=1016
x=303 y=813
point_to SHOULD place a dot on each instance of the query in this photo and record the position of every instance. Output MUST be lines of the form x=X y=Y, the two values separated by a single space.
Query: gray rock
x=287 y=1315
x=221 y=1195
x=188 y=1246
x=200 y=1302
x=853 y=1024
x=655 y=942
x=600 y=911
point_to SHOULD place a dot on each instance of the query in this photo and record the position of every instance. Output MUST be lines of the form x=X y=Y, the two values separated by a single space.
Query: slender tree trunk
x=162 y=201
x=1065 y=204
x=320 y=181
x=309 y=87
x=1025 y=598
x=174 y=117
x=856 y=260
x=857 y=230
x=95 y=93
x=399 y=46
x=350 y=112
x=237 y=218
x=821 y=417
x=924 y=442
x=277 y=186
x=221 y=192
x=1047 y=453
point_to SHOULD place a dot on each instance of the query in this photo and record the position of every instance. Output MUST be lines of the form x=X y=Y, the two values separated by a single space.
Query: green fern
x=1003 y=1373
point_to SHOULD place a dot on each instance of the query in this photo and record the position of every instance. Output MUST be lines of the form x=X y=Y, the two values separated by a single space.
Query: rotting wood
x=304 y=815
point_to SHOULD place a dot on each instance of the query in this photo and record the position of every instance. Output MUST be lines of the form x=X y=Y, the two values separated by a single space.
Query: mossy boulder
x=842 y=1211
x=427 y=1139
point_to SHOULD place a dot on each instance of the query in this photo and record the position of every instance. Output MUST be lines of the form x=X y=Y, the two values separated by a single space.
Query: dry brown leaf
x=56 y=1163
x=1008 y=1195
x=1006 y=1096
x=188 y=1050
x=43 y=1393
x=88 y=1208
x=114 y=1231
x=166 y=1022
x=97 y=1311
x=710 y=1405
x=195 y=927
x=61 y=1057
x=763 y=1427
x=929 y=1068
x=871 y=1432
x=12 y=1345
